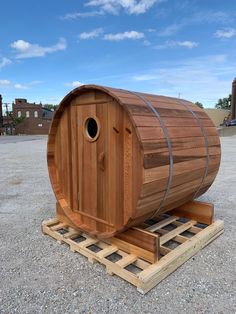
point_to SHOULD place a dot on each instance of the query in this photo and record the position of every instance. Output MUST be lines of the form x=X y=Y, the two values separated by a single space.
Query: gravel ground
x=37 y=275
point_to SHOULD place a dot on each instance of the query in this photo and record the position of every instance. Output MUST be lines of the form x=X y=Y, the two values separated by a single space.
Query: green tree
x=50 y=107
x=199 y=104
x=16 y=120
x=224 y=103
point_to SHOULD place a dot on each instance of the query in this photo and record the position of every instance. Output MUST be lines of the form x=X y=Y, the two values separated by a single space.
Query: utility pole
x=7 y=123
x=6 y=108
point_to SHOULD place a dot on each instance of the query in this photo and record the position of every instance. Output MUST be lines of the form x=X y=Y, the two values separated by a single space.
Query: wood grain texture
x=122 y=177
x=202 y=212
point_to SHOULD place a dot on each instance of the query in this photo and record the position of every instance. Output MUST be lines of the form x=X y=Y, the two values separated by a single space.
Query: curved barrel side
x=170 y=155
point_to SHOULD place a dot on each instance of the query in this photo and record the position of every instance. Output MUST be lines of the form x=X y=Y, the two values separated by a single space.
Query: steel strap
x=206 y=145
x=156 y=113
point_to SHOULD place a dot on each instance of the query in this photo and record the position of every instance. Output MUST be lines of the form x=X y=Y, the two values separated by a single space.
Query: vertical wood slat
x=111 y=171
x=74 y=156
x=65 y=155
x=70 y=156
x=128 y=170
x=80 y=159
x=57 y=164
x=101 y=112
x=115 y=161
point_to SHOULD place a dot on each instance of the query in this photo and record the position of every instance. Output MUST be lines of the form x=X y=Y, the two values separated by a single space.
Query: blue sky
x=167 y=47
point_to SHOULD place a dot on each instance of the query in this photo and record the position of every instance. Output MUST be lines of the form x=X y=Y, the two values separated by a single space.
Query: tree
x=224 y=103
x=199 y=104
x=16 y=120
x=50 y=107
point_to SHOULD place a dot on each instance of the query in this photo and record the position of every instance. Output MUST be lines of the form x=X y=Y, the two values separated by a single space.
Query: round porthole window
x=91 y=129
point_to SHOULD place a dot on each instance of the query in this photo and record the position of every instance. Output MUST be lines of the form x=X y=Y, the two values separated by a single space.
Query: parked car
x=232 y=122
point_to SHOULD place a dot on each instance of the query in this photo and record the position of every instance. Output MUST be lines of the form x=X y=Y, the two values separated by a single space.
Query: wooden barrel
x=117 y=158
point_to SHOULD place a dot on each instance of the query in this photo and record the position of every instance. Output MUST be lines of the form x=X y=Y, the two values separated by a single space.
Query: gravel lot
x=37 y=275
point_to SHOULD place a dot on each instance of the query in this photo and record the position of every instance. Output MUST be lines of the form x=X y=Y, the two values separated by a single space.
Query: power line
x=6 y=107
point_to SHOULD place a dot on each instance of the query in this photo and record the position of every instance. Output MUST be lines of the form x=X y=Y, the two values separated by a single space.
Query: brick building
x=1 y=115
x=37 y=119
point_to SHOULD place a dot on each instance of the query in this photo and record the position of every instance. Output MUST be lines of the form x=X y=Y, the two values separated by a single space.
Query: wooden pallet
x=178 y=240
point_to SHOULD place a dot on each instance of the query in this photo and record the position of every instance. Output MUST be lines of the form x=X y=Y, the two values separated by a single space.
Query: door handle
x=101 y=161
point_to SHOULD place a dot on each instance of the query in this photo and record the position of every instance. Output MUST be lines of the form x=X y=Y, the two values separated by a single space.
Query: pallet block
x=177 y=240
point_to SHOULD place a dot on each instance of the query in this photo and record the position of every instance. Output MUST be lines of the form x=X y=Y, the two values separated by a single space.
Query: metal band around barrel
x=156 y=113
x=206 y=145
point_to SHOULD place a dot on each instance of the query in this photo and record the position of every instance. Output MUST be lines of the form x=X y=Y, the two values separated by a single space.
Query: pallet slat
x=127 y=260
x=162 y=223
x=107 y=251
x=173 y=233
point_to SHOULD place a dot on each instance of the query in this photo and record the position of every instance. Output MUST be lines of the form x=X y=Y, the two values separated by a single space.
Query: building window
x=40 y=125
x=36 y=114
x=19 y=114
x=27 y=114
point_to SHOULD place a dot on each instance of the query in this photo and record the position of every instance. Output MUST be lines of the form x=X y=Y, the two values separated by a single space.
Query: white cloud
x=129 y=6
x=170 y=29
x=74 y=84
x=145 y=77
x=36 y=82
x=211 y=17
x=113 y=7
x=173 y=44
x=122 y=36
x=187 y=44
x=21 y=45
x=91 y=35
x=5 y=83
x=114 y=37
x=9 y=84
x=25 y=49
x=77 y=15
x=225 y=33
x=200 y=17
x=4 y=62
x=20 y=86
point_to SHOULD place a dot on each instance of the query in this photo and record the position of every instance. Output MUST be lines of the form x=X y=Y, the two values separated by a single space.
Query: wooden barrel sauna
x=117 y=158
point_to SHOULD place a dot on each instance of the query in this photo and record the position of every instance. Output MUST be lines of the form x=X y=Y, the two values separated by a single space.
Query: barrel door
x=100 y=140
